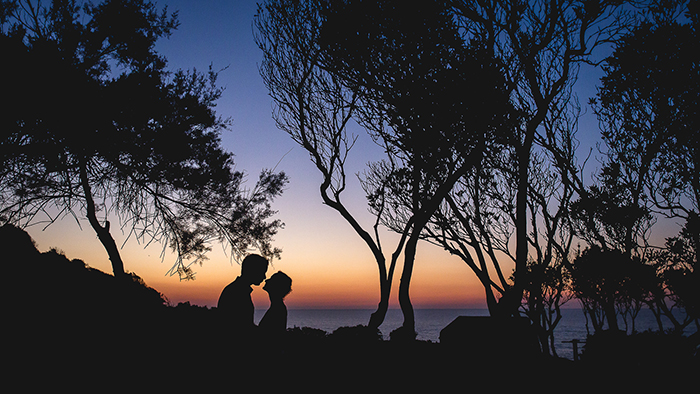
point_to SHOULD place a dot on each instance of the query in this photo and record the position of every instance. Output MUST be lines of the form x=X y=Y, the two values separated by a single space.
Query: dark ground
x=67 y=326
x=168 y=353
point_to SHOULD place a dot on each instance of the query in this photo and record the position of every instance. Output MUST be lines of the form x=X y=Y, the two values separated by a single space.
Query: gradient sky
x=329 y=264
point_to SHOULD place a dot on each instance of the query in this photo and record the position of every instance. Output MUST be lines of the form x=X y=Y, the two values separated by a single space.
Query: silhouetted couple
x=236 y=304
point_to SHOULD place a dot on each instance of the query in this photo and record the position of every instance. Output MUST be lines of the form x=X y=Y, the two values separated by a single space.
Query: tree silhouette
x=541 y=45
x=646 y=107
x=677 y=264
x=98 y=126
x=431 y=100
x=314 y=107
x=477 y=224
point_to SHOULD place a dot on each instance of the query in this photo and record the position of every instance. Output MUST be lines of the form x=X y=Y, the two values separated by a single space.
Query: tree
x=430 y=99
x=609 y=282
x=540 y=46
x=477 y=223
x=677 y=264
x=613 y=214
x=111 y=131
x=314 y=108
x=547 y=289
x=646 y=107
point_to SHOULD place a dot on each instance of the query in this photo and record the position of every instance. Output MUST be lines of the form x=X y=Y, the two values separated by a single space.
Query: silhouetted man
x=235 y=303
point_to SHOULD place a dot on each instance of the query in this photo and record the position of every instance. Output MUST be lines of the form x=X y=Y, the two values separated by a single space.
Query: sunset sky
x=329 y=264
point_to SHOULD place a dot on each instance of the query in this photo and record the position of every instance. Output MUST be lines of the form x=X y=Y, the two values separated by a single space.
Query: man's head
x=254 y=268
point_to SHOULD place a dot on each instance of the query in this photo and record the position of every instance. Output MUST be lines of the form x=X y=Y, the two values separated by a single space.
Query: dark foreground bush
x=639 y=349
x=355 y=335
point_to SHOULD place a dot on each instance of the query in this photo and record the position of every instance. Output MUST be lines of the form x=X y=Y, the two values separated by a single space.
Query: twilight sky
x=329 y=264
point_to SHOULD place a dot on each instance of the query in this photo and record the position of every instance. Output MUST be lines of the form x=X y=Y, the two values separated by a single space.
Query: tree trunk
x=513 y=298
x=385 y=279
x=377 y=318
x=521 y=231
x=491 y=302
x=102 y=231
x=409 y=319
x=536 y=312
x=611 y=317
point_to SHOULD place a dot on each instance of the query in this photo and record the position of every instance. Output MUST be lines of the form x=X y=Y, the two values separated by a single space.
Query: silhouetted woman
x=274 y=323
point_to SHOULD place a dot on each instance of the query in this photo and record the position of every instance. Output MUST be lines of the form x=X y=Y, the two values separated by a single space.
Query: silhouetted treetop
x=412 y=64
x=647 y=105
x=97 y=126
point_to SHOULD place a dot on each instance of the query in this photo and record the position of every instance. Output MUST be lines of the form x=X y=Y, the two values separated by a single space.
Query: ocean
x=429 y=322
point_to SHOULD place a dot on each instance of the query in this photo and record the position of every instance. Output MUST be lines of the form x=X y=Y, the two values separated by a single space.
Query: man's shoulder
x=238 y=286
x=235 y=293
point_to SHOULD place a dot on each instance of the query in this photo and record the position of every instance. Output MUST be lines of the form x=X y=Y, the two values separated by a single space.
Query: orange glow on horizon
x=322 y=279
x=336 y=284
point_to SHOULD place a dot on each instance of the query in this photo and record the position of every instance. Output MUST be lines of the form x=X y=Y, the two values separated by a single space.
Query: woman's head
x=279 y=285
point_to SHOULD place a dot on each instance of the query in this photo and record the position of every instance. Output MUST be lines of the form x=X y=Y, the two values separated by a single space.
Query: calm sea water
x=429 y=322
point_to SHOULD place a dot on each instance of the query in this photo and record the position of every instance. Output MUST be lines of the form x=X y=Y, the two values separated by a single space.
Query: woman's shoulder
x=276 y=308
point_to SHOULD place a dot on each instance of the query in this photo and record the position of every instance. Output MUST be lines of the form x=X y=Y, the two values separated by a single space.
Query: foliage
x=356 y=335
x=514 y=206
x=613 y=214
x=610 y=282
x=111 y=132
x=646 y=107
x=547 y=289
x=417 y=79
x=677 y=266
x=413 y=77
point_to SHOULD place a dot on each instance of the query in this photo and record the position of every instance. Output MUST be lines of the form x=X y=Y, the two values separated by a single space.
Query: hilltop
x=50 y=282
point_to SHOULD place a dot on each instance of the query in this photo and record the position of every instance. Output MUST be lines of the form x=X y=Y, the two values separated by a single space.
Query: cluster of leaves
x=609 y=282
x=417 y=79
